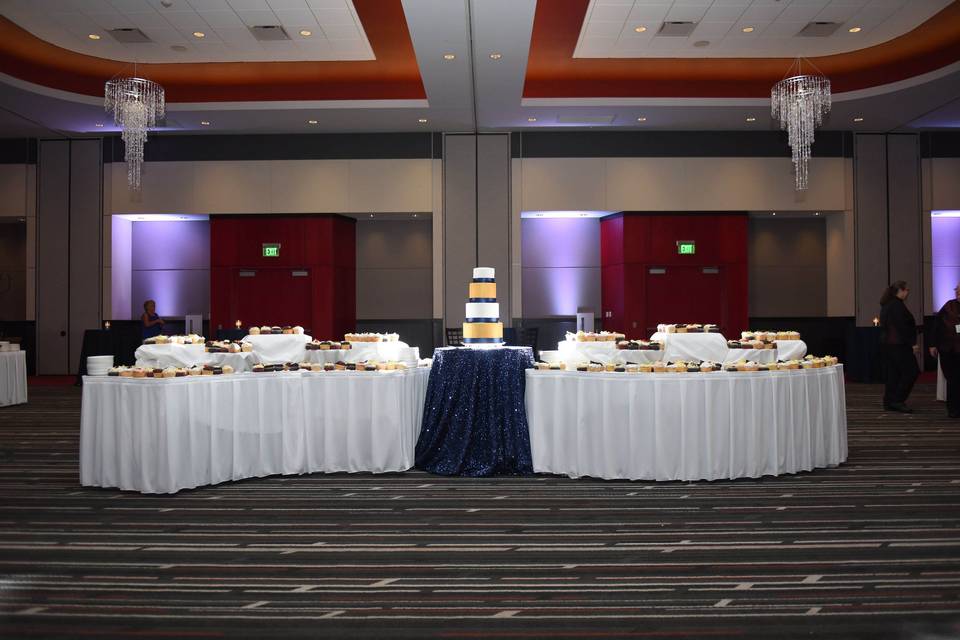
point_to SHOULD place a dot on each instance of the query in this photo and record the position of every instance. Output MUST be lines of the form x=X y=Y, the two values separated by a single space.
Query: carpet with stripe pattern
x=867 y=550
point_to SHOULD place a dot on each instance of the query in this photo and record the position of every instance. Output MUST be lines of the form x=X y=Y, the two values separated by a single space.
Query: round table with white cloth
x=164 y=435
x=686 y=426
x=13 y=378
x=692 y=346
x=279 y=348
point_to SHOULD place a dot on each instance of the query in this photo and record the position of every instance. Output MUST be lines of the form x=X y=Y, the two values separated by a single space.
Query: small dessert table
x=13 y=378
x=474 y=422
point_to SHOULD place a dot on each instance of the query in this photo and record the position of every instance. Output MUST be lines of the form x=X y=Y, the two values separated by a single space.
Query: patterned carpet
x=867 y=550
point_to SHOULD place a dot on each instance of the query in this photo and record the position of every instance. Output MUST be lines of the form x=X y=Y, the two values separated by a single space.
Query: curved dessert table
x=679 y=426
x=13 y=378
x=164 y=435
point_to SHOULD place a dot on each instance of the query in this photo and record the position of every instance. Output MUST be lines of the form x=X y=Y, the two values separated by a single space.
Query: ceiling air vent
x=129 y=35
x=269 y=33
x=677 y=29
x=585 y=119
x=819 y=29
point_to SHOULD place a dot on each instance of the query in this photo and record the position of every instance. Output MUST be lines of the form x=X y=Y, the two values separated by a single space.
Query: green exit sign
x=271 y=250
x=686 y=247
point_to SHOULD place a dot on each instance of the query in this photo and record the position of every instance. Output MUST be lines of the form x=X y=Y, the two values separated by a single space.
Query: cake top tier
x=484 y=272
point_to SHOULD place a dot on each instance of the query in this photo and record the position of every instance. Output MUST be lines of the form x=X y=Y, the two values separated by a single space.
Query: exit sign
x=271 y=249
x=686 y=247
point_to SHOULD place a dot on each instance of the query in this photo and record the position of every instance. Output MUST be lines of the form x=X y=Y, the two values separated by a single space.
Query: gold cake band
x=483 y=289
x=482 y=329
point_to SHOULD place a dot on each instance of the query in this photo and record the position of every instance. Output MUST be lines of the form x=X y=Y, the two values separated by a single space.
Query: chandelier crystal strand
x=137 y=105
x=800 y=103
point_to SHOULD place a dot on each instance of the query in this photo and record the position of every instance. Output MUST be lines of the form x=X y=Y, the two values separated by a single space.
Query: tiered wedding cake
x=483 y=327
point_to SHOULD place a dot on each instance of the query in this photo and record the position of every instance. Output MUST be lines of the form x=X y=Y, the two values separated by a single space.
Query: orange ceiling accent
x=553 y=72
x=393 y=75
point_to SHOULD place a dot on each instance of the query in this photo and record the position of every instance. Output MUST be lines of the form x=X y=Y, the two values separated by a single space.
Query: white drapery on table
x=161 y=436
x=13 y=378
x=791 y=349
x=161 y=356
x=678 y=426
x=763 y=356
x=692 y=346
x=366 y=351
x=279 y=348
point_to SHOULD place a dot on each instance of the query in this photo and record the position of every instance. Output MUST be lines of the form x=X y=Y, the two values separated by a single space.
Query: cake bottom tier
x=482 y=331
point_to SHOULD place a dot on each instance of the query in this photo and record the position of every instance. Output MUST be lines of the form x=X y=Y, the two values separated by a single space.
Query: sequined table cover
x=474 y=419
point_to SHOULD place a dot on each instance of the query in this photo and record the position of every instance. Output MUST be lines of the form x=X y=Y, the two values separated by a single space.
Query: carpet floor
x=867 y=550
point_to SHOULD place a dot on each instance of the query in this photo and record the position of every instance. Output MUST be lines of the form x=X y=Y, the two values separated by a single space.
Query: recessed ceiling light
x=531 y=119
x=205 y=123
x=854 y=29
x=99 y=124
x=93 y=36
x=747 y=29
x=640 y=29
x=642 y=119
x=751 y=119
x=199 y=34
x=449 y=56
x=858 y=119
x=306 y=33
x=422 y=120
x=311 y=122
x=496 y=56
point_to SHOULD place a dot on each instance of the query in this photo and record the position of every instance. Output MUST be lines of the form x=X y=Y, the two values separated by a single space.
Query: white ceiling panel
x=333 y=16
x=296 y=17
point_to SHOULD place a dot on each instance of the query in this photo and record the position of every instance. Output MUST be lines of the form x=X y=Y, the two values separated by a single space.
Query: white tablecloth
x=13 y=377
x=692 y=346
x=161 y=356
x=791 y=349
x=763 y=356
x=240 y=362
x=160 y=436
x=280 y=348
x=573 y=352
x=677 y=426
x=364 y=351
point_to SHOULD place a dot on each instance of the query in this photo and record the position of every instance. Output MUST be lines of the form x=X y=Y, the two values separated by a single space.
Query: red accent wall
x=637 y=300
x=324 y=246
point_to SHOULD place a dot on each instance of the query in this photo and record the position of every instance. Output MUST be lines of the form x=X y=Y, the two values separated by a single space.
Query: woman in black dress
x=898 y=347
x=947 y=341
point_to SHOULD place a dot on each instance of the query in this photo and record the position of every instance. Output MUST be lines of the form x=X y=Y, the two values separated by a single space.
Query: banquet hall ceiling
x=491 y=65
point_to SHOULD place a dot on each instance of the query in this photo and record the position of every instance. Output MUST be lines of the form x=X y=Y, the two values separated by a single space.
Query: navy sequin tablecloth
x=474 y=419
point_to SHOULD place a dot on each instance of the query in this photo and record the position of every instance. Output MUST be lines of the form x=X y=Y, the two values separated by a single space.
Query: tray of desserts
x=168 y=372
x=228 y=346
x=770 y=336
x=683 y=366
x=327 y=345
x=688 y=328
x=320 y=367
x=371 y=337
x=274 y=330
x=639 y=345
x=163 y=339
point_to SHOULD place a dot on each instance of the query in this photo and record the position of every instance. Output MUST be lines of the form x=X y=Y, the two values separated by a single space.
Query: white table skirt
x=160 y=436
x=13 y=378
x=279 y=348
x=161 y=356
x=676 y=426
x=692 y=346
x=364 y=351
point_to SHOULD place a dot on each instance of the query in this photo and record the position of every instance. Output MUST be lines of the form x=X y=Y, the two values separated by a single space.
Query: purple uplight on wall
x=560 y=265
x=945 y=240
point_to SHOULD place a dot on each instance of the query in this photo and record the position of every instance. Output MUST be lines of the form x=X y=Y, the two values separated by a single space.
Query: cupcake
x=594 y=367
x=558 y=366
x=329 y=366
x=297 y=330
x=659 y=366
x=632 y=368
x=645 y=367
x=620 y=368
x=254 y=331
x=609 y=367
x=542 y=366
x=340 y=366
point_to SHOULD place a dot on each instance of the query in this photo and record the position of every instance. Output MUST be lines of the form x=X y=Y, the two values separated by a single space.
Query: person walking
x=898 y=347
x=947 y=340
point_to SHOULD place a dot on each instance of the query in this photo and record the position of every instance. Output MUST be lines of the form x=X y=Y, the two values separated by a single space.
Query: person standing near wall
x=152 y=323
x=898 y=347
x=947 y=341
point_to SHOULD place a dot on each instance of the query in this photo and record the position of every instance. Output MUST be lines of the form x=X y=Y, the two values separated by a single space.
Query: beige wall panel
x=436 y=191
x=13 y=190
x=516 y=259
x=166 y=187
x=232 y=187
x=308 y=186
x=840 y=265
x=945 y=177
x=563 y=184
x=647 y=184
x=390 y=185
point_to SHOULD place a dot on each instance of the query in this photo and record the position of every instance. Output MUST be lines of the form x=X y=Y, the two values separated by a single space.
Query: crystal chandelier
x=136 y=104
x=800 y=102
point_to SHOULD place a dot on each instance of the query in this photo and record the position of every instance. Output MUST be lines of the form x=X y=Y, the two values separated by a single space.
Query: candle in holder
x=106 y=325
x=238 y=324
x=876 y=322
